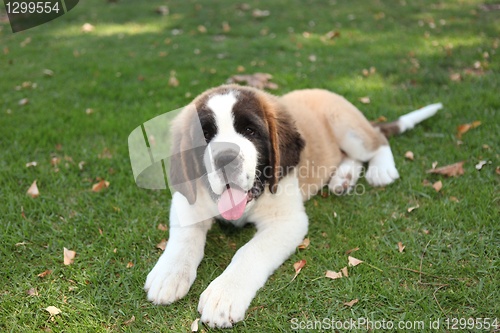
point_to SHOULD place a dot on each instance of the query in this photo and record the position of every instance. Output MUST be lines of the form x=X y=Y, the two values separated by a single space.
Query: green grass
x=120 y=71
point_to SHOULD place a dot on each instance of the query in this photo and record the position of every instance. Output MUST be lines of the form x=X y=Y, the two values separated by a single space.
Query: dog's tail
x=409 y=120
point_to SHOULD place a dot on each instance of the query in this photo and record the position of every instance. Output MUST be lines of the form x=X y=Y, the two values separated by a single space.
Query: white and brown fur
x=291 y=146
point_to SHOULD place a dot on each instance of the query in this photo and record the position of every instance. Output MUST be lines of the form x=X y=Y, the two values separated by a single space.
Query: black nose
x=224 y=158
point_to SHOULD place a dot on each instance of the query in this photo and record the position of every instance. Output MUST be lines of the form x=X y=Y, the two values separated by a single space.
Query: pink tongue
x=232 y=204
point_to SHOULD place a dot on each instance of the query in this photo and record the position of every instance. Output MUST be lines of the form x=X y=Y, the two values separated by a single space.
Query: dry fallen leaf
x=480 y=165
x=32 y=292
x=434 y=164
x=162 y=10
x=438 y=185
x=130 y=321
x=226 y=27
x=409 y=155
x=260 y=13
x=365 y=100
x=256 y=80
x=162 y=244
x=194 y=325
x=33 y=190
x=451 y=170
x=298 y=267
x=333 y=275
x=351 y=303
x=344 y=271
x=353 y=261
x=105 y=153
x=44 y=273
x=31 y=164
x=462 y=129
x=23 y=101
x=130 y=264
x=69 y=256
x=401 y=247
x=48 y=72
x=351 y=250
x=162 y=227
x=87 y=27
x=100 y=186
x=53 y=310
x=411 y=209
x=305 y=243
x=173 y=81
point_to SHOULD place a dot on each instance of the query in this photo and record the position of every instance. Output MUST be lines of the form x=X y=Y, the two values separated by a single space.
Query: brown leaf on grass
x=260 y=13
x=23 y=101
x=162 y=10
x=256 y=80
x=69 y=256
x=480 y=165
x=305 y=243
x=368 y=72
x=401 y=247
x=462 y=129
x=351 y=303
x=497 y=170
x=162 y=227
x=105 y=153
x=130 y=321
x=344 y=271
x=32 y=292
x=333 y=275
x=173 y=81
x=31 y=164
x=44 y=273
x=365 y=100
x=451 y=170
x=162 y=244
x=409 y=155
x=353 y=261
x=438 y=185
x=87 y=27
x=48 y=72
x=33 y=190
x=351 y=250
x=226 y=27
x=130 y=264
x=101 y=185
x=194 y=325
x=298 y=267
x=53 y=310
x=411 y=209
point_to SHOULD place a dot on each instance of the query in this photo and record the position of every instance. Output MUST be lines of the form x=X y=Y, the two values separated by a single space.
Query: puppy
x=245 y=156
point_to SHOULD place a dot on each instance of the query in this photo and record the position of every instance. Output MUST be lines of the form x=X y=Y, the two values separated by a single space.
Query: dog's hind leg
x=362 y=142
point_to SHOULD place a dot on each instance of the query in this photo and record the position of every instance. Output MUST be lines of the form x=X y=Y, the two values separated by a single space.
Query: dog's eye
x=249 y=131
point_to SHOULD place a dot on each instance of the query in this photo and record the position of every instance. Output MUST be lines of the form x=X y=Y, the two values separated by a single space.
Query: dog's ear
x=286 y=141
x=187 y=155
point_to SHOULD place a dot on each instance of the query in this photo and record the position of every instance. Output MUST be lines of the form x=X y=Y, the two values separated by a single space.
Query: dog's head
x=238 y=140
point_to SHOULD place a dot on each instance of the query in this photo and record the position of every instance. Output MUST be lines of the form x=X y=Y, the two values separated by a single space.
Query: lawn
x=70 y=98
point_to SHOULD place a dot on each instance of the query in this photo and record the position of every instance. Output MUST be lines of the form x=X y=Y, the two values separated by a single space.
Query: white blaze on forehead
x=222 y=107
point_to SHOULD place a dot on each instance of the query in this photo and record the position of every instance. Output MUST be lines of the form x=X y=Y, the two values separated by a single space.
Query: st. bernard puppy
x=264 y=156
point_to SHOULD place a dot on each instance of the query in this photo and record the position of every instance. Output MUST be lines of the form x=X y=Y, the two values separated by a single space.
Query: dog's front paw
x=166 y=284
x=223 y=303
x=381 y=175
